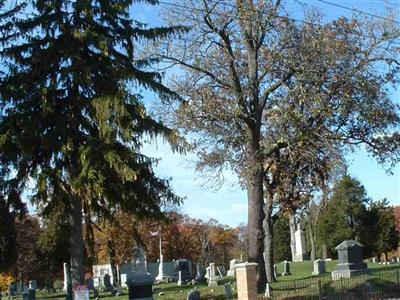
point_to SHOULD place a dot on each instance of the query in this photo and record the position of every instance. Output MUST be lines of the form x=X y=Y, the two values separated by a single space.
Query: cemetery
x=199 y=149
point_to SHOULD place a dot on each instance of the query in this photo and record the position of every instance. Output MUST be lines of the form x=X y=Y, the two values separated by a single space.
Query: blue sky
x=229 y=204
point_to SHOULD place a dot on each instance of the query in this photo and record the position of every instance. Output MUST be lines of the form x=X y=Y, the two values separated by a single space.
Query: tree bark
x=113 y=263
x=268 y=238
x=292 y=226
x=255 y=211
x=312 y=240
x=76 y=242
x=324 y=251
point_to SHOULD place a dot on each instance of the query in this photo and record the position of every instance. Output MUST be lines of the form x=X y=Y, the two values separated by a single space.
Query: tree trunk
x=268 y=239
x=76 y=242
x=255 y=211
x=324 y=251
x=312 y=240
x=292 y=226
x=113 y=264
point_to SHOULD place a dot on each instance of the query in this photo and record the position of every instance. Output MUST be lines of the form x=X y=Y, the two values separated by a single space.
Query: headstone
x=181 y=281
x=185 y=266
x=301 y=252
x=275 y=271
x=393 y=259
x=375 y=260
x=212 y=280
x=231 y=272
x=123 y=280
x=207 y=272
x=199 y=272
x=33 y=284
x=228 y=291
x=96 y=282
x=350 y=255
x=286 y=268
x=139 y=281
x=107 y=282
x=81 y=293
x=31 y=294
x=268 y=291
x=319 y=267
x=193 y=295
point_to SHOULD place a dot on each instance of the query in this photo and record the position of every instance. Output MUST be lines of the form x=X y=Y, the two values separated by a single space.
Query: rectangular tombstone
x=319 y=267
x=286 y=268
x=228 y=291
x=351 y=262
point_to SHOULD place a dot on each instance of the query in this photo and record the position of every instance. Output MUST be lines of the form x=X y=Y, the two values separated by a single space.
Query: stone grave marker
x=300 y=249
x=107 y=282
x=140 y=282
x=81 y=293
x=275 y=271
x=207 y=272
x=350 y=254
x=193 y=295
x=212 y=280
x=228 y=291
x=286 y=268
x=375 y=260
x=184 y=266
x=231 y=272
x=33 y=284
x=181 y=281
x=319 y=267
x=199 y=272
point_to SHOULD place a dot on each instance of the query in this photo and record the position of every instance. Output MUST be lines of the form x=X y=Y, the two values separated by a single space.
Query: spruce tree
x=70 y=119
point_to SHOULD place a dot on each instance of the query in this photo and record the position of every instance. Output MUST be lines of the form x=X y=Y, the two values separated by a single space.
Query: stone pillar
x=301 y=251
x=65 y=277
x=212 y=280
x=246 y=279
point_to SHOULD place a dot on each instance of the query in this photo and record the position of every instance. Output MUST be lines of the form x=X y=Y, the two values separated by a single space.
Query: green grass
x=300 y=281
x=303 y=269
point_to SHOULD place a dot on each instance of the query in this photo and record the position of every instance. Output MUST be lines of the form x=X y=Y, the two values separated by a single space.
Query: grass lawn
x=301 y=271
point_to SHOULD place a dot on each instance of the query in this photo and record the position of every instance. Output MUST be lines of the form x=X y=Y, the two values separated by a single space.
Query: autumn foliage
x=182 y=237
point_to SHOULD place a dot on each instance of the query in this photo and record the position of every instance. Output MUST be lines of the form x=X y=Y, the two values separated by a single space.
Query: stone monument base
x=300 y=257
x=231 y=273
x=349 y=273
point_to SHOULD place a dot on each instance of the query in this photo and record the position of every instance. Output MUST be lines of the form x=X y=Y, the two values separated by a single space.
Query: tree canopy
x=72 y=121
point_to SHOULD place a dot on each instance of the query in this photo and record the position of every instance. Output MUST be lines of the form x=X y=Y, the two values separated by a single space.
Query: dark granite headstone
x=183 y=265
x=139 y=281
x=193 y=295
x=107 y=282
x=286 y=268
x=350 y=255
x=228 y=291
x=31 y=294
x=200 y=272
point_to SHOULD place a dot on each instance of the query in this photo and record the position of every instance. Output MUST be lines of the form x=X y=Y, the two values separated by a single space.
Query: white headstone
x=301 y=251
x=180 y=281
x=123 y=280
x=212 y=280
x=65 y=277
x=81 y=293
